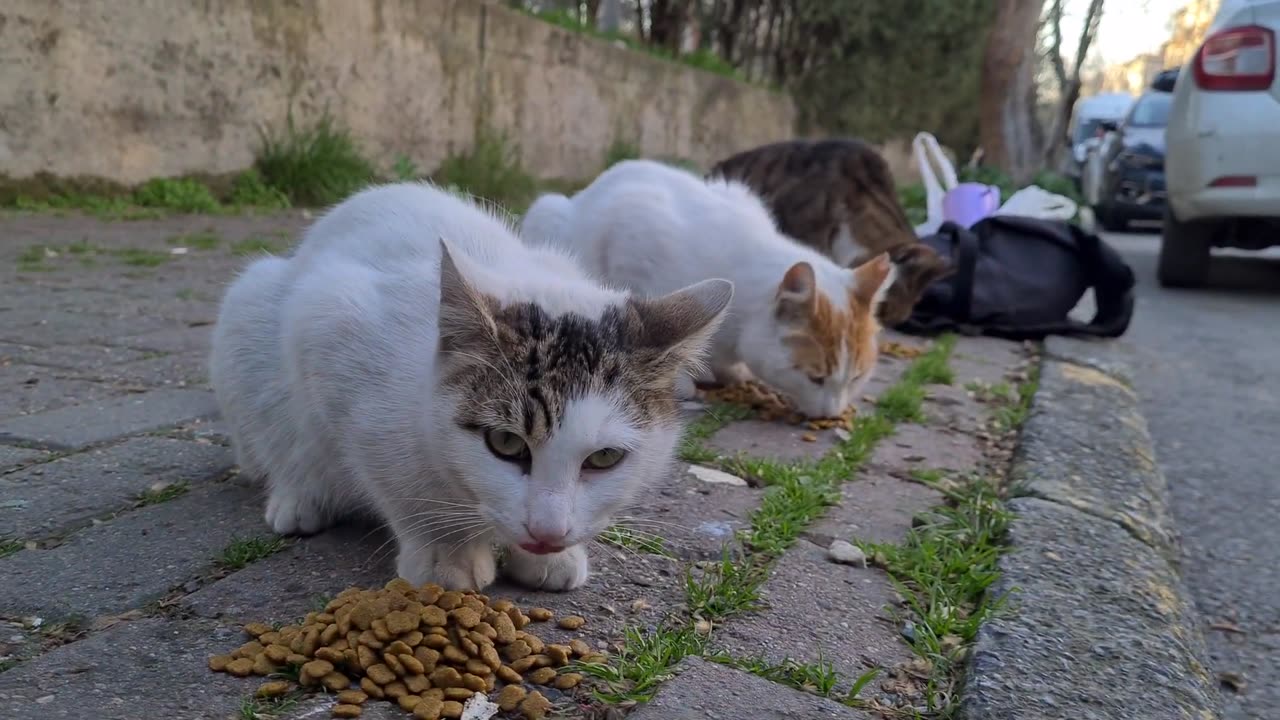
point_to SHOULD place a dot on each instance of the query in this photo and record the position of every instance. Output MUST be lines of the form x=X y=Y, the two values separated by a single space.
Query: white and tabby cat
x=799 y=322
x=413 y=358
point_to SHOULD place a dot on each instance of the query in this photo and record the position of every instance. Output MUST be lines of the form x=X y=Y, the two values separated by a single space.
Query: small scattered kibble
x=771 y=405
x=426 y=649
x=572 y=622
x=900 y=350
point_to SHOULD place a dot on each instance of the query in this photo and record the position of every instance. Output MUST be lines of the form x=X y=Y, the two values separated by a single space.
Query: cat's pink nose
x=547 y=537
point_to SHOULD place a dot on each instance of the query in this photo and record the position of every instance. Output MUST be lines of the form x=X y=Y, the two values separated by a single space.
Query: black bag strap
x=964 y=257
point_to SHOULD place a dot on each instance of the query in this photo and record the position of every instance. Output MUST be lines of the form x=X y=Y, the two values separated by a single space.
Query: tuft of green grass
x=491 y=169
x=250 y=189
x=255 y=708
x=620 y=150
x=313 y=166
x=944 y=569
x=164 y=494
x=242 y=552
x=902 y=403
x=176 y=194
x=404 y=169
x=9 y=547
x=32 y=258
x=257 y=245
x=693 y=448
x=645 y=661
x=185 y=294
x=203 y=240
x=141 y=257
x=932 y=368
x=928 y=476
x=8 y=664
x=819 y=678
x=632 y=539
x=725 y=588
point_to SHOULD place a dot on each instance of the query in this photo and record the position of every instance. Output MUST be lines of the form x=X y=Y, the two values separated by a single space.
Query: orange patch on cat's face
x=816 y=348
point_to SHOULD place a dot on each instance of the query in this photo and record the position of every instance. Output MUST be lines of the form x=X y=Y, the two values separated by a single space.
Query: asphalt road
x=1209 y=377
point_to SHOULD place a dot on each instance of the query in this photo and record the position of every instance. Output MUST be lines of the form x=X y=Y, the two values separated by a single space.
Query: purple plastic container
x=967 y=203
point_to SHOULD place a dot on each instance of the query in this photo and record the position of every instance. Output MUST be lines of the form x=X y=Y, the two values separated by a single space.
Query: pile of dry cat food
x=770 y=405
x=901 y=350
x=426 y=649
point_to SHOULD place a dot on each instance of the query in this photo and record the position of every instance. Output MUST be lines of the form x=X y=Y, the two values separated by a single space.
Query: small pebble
x=846 y=553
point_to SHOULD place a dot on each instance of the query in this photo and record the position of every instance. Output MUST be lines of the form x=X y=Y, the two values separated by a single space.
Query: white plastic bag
x=1034 y=201
x=928 y=154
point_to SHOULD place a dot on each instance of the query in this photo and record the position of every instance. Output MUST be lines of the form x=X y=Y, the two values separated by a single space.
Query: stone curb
x=1098 y=624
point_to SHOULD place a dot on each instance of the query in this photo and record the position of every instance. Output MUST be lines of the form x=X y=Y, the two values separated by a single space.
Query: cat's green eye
x=506 y=445
x=604 y=459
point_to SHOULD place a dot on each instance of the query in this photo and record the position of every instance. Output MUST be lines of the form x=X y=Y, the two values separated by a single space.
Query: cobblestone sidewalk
x=131 y=551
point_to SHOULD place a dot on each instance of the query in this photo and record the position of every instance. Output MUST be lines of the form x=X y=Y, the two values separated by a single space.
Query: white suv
x=1222 y=160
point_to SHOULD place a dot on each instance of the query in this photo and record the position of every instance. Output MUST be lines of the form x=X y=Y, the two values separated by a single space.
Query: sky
x=1128 y=27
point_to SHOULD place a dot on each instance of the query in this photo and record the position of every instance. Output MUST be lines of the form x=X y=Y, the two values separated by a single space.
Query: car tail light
x=1235 y=181
x=1237 y=59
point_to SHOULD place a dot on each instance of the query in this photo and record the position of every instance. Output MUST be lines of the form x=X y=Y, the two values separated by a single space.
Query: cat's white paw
x=470 y=567
x=290 y=512
x=556 y=572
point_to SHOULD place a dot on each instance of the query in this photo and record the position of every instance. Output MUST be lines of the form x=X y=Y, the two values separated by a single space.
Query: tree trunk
x=1005 y=113
x=1070 y=84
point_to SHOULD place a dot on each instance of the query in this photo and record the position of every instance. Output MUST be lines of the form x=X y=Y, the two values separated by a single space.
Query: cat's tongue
x=541 y=548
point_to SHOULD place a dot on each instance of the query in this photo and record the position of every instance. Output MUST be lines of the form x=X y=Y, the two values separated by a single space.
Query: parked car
x=1091 y=115
x=1223 y=162
x=1123 y=178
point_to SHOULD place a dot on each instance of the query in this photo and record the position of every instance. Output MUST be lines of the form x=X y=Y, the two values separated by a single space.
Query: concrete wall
x=133 y=89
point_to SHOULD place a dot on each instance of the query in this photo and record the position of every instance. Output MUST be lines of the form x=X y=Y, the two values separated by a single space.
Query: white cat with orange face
x=799 y=322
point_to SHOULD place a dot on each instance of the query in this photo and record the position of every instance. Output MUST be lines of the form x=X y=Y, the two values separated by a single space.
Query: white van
x=1089 y=115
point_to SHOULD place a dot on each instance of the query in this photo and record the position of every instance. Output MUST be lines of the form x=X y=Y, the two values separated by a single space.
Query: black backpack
x=1018 y=278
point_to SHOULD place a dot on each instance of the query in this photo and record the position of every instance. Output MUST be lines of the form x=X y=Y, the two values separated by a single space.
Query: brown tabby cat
x=838 y=196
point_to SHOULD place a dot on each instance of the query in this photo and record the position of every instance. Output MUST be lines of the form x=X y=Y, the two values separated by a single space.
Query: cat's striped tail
x=544 y=223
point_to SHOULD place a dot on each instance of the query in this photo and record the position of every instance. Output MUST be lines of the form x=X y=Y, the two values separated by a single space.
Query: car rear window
x=1151 y=110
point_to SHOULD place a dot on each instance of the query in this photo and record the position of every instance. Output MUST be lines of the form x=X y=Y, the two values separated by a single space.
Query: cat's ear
x=872 y=279
x=683 y=321
x=920 y=266
x=466 y=314
x=797 y=296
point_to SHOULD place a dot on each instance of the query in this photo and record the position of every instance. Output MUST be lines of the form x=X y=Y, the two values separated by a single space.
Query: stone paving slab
x=134 y=559
x=707 y=691
x=13 y=458
x=150 y=668
x=31 y=389
x=47 y=499
x=68 y=357
x=74 y=427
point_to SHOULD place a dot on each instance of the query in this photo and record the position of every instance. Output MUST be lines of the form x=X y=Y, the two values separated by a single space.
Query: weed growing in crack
x=176 y=194
x=819 y=678
x=254 y=708
x=142 y=257
x=796 y=495
x=255 y=245
x=243 y=552
x=164 y=494
x=9 y=547
x=631 y=539
x=204 y=240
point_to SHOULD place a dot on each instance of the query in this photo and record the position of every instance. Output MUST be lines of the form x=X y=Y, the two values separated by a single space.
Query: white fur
x=653 y=228
x=326 y=366
x=845 y=248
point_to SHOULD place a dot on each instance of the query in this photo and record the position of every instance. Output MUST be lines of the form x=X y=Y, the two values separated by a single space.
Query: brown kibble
x=437 y=693
x=249 y=650
x=535 y=643
x=346 y=711
x=451 y=709
x=428 y=709
x=380 y=631
x=296 y=659
x=351 y=659
x=328 y=634
x=541 y=676
x=399 y=648
x=480 y=639
x=396 y=690
x=501 y=605
x=427 y=657
x=400 y=622
x=257 y=629
x=269 y=638
x=370 y=640
x=469 y=646
x=510 y=697
x=460 y=694
x=314 y=670
x=399 y=585
x=367 y=657
x=505 y=628
x=559 y=654
x=341 y=645
x=408 y=702
x=262 y=665
x=541 y=614
x=371 y=688
x=595 y=658
x=436 y=642
x=275 y=688
x=393 y=662
x=411 y=664
x=566 y=681
x=487 y=631
x=580 y=648
x=809 y=437
x=429 y=593
x=572 y=622
x=352 y=697
x=334 y=656
x=452 y=654
x=535 y=706
x=240 y=667
x=335 y=682
x=218 y=663
x=508 y=675
x=517 y=650
x=380 y=674
x=517 y=618
x=412 y=639
x=466 y=617
x=541 y=661
x=438 y=630
x=524 y=664
x=325 y=618
x=449 y=600
x=446 y=677
x=478 y=667
x=473 y=682
x=417 y=683
x=489 y=656
x=475 y=603
x=344 y=622
x=310 y=642
x=433 y=616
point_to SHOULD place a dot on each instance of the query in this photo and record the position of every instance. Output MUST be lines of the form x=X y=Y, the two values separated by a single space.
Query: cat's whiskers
x=420 y=531
x=454 y=548
x=506 y=377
